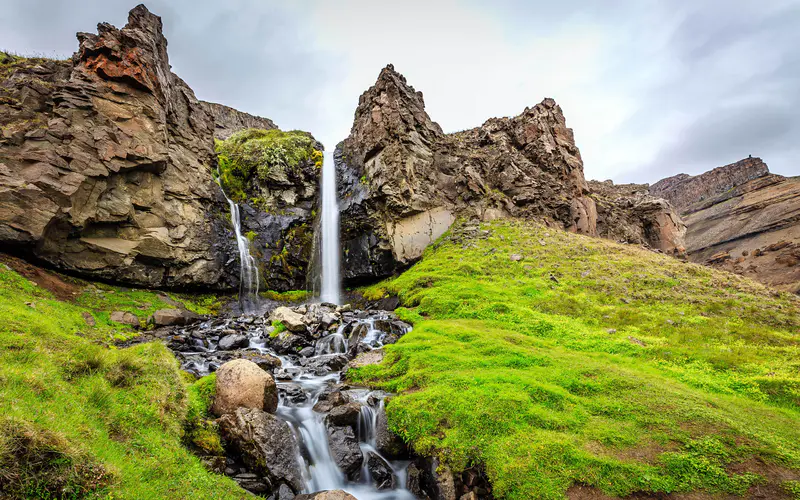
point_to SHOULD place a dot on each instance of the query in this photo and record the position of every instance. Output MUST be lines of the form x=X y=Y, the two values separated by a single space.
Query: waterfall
x=330 y=233
x=248 y=272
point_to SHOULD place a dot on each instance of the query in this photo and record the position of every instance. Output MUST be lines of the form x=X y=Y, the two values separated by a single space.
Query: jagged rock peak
x=228 y=120
x=388 y=110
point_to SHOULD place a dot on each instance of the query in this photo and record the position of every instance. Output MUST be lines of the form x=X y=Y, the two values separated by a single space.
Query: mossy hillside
x=256 y=155
x=555 y=359
x=107 y=422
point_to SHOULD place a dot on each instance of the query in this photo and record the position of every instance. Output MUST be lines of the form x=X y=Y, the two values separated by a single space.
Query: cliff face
x=227 y=120
x=742 y=219
x=685 y=192
x=403 y=181
x=105 y=162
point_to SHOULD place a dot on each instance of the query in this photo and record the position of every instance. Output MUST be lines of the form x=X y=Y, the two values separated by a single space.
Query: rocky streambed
x=289 y=422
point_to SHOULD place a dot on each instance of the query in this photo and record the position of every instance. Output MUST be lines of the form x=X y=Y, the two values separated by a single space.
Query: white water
x=330 y=233
x=248 y=272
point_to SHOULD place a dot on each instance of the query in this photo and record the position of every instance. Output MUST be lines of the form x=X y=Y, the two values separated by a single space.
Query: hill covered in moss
x=572 y=366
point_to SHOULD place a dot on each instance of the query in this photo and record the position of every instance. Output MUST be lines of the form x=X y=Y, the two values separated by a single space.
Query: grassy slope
x=82 y=419
x=593 y=363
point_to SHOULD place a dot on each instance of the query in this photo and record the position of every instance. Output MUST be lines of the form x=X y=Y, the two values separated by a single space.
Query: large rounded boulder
x=243 y=384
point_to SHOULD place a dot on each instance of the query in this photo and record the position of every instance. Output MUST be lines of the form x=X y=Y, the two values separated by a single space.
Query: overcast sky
x=651 y=87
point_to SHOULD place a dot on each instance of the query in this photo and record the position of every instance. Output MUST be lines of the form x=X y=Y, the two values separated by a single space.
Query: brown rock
x=125 y=318
x=327 y=495
x=171 y=317
x=242 y=384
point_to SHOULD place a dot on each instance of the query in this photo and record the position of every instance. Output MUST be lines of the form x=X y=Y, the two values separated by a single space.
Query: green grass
x=588 y=362
x=258 y=154
x=290 y=296
x=82 y=420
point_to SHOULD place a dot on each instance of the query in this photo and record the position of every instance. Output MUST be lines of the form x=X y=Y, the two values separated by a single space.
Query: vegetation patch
x=589 y=363
x=292 y=296
x=262 y=156
x=81 y=419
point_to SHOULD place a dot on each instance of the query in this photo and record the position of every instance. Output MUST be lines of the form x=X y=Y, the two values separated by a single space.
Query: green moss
x=201 y=431
x=590 y=362
x=279 y=328
x=257 y=154
x=290 y=296
x=116 y=414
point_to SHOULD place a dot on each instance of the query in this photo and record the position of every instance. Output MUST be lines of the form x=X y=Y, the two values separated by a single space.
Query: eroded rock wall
x=105 y=162
x=227 y=120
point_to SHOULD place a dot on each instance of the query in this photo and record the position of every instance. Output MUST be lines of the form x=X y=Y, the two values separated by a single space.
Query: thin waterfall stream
x=248 y=271
x=329 y=222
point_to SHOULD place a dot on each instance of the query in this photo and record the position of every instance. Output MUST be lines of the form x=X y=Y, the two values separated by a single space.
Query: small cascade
x=329 y=222
x=248 y=271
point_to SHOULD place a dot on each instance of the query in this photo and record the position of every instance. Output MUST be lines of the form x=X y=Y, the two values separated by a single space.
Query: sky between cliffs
x=651 y=87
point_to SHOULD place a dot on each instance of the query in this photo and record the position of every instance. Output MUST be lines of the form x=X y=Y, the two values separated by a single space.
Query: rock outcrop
x=106 y=171
x=227 y=120
x=402 y=181
x=743 y=219
x=105 y=162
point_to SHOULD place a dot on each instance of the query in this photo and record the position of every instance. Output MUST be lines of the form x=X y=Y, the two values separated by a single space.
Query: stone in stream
x=293 y=321
x=288 y=343
x=326 y=363
x=346 y=414
x=233 y=341
x=283 y=493
x=327 y=495
x=345 y=450
x=388 y=443
x=171 y=317
x=266 y=444
x=242 y=384
x=382 y=474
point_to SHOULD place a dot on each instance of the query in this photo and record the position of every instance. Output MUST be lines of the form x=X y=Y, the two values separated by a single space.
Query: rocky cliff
x=107 y=164
x=403 y=181
x=741 y=218
x=685 y=192
x=227 y=120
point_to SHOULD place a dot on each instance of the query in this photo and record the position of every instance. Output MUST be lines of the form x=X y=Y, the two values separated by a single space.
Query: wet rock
x=172 y=317
x=330 y=400
x=382 y=474
x=427 y=478
x=266 y=444
x=235 y=341
x=288 y=343
x=345 y=450
x=387 y=442
x=125 y=318
x=327 y=495
x=251 y=483
x=265 y=361
x=283 y=493
x=292 y=393
x=293 y=321
x=242 y=384
x=325 y=363
x=344 y=415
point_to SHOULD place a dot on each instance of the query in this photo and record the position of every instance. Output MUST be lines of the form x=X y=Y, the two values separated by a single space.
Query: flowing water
x=303 y=382
x=248 y=271
x=330 y=233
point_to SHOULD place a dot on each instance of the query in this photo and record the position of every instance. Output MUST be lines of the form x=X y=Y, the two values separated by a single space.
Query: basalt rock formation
x=105 y=162
x=741 y=218
x=106 y=165
x=402 y=180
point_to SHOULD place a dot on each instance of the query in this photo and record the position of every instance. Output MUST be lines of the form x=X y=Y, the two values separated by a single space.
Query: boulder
x=242 y=384
x=383 y=476
x=293 y=321
x=126 y=318
x=327 y=495
x=234 y=341
x=325 y=363
x=265 y=443
x=387 y=442
x=345 y=450
x=288 y=343
x=173 y=317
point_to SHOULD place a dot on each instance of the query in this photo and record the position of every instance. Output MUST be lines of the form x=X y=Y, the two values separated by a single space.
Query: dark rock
x=344 y=415
x=325 y=363
x=230 y=342
x=428 y=478
x=388 y=443
x=266 y=444
x=382 y=474
x=288 y=343
x=345 y=450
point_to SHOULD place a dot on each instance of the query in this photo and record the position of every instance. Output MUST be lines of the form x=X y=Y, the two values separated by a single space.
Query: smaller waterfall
x=248 y=272
x=330 y=233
